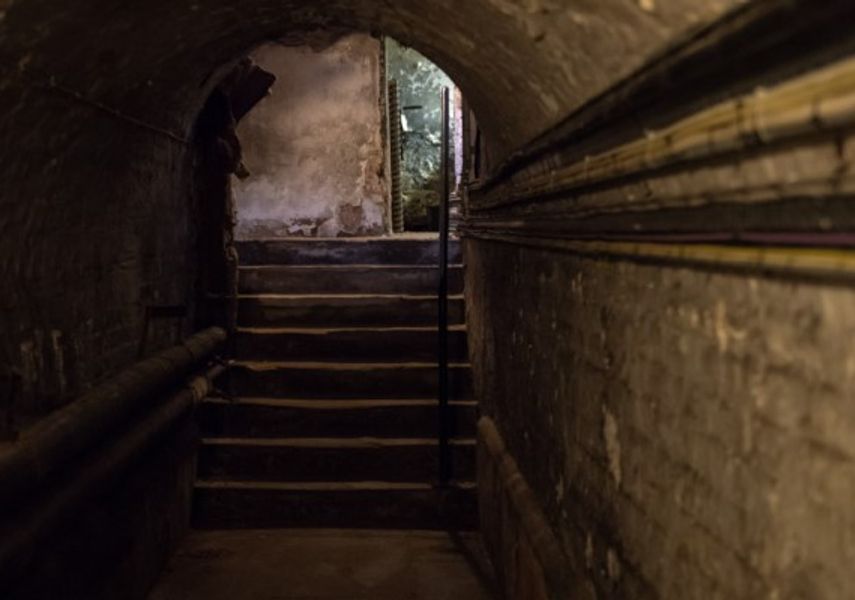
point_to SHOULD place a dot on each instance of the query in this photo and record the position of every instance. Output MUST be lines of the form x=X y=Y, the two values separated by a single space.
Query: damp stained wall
x=314 y=147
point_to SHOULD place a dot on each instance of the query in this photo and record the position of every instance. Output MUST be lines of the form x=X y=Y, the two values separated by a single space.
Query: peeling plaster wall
x=314 y=147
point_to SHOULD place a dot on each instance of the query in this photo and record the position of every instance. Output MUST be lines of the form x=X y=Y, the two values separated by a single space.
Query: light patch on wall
x=725 y=333
x=577 y=284
x=589 y=551
x=59 y=360
x=31 y=361
x=549 y=102
x=559 y=489
x=613 y=564
x=610 y=433
x=647 y=5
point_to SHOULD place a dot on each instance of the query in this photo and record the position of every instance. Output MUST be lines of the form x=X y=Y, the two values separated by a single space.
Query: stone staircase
x=334 y=416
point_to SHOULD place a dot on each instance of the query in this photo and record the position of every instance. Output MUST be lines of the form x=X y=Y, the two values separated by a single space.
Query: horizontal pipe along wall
x=97 y=496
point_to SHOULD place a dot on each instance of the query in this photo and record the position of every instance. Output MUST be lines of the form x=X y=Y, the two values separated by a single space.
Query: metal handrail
x=444 y=431
x=44 y=450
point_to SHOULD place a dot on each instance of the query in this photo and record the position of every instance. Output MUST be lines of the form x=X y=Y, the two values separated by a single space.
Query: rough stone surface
x=689 y=433
x=314 y=146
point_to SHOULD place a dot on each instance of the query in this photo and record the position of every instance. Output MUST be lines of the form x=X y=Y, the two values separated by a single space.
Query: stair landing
x=326 y=565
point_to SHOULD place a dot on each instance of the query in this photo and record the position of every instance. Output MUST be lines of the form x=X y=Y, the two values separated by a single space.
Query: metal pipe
x=21 y=538
x=558 y=568
x=819 y=102
x=445 y=465
x=61 y=437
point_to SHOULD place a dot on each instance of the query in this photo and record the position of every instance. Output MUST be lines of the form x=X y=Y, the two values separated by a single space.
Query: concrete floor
x=325 y=565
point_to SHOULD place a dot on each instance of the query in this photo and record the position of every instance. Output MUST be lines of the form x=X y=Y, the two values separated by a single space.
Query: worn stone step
x=266 y=417
x=344 y=310
x=332 y=380
x=331 y=459
x=386 y=344
x=338 y=505
x=346 y=279
x=355 y=251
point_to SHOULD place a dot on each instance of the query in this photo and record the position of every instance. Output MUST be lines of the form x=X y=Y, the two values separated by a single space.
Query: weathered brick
x=732 y=426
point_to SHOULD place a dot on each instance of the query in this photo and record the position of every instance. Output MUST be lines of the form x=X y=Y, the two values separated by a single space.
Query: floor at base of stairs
x=326 y=565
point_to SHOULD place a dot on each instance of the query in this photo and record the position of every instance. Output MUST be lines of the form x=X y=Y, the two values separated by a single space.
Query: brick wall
x=659 y=309
x=97 y=224
x=687 y=432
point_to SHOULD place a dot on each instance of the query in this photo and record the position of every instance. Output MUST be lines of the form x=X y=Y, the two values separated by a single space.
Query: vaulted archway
x=661 y=290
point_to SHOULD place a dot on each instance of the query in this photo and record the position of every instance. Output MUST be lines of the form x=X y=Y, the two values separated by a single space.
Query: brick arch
x=98 y=98
x=523 y=65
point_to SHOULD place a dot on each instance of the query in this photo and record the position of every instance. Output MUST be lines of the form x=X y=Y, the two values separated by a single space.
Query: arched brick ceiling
x=524 y=64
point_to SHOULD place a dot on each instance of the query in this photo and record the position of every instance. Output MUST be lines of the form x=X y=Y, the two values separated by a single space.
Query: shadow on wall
x=314 y=147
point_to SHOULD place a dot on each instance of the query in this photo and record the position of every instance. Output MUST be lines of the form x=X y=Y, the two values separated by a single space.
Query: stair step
x=392 y=344
x=352 y=279
x=261 y=417
x=381 y=251
x=330 y=459
x=335 y=418
x=338 y=505
x=344 y=310
x=332 y=380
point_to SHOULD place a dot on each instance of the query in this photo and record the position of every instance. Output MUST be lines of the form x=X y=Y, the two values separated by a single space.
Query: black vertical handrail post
x=445 y=466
